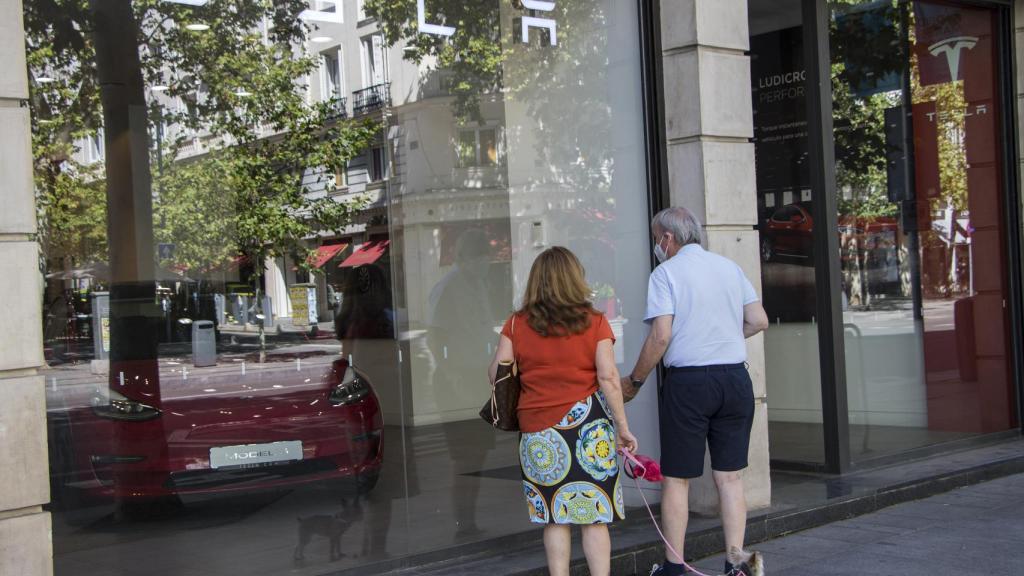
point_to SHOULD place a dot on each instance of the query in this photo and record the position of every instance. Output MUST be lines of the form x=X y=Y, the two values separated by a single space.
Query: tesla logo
x=952 y=47
x=526 y=22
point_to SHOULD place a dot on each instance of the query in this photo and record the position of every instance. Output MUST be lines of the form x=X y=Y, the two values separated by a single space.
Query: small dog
x=746 y=562
x=329 y=526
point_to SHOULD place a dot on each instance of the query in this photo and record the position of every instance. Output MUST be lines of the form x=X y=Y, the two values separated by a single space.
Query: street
x=977 y=530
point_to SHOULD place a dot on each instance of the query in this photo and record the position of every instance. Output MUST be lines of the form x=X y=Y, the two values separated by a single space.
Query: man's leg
x=733 y=503
x=728 y=443
x=675 y=512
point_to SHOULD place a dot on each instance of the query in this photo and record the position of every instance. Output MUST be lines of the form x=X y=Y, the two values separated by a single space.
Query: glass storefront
x=785 y=204
x=917 y=108
x=920 y=216
x=278 y=241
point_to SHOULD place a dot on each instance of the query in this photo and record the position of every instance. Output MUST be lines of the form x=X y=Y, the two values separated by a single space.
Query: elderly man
x=700 y=308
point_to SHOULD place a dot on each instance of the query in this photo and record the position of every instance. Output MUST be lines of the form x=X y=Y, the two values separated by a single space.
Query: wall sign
x=525 y=22
x=323 y=11
x=951 y=47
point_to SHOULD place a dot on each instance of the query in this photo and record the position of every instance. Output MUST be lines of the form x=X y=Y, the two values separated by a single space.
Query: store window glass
x=277 y=240
x=917 y=111
x=528 y=139
x=785 y=199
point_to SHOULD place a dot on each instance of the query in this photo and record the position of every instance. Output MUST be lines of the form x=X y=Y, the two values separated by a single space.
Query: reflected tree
x=224 y=83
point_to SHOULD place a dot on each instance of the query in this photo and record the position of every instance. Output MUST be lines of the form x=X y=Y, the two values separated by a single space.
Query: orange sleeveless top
x=555 y=371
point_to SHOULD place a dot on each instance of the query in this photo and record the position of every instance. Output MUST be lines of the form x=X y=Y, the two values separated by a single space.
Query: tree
x=230 y=72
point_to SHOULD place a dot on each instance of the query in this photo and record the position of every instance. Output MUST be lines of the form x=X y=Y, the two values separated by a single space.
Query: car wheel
x=367 y=481
x=767 y=250
x=150 y=508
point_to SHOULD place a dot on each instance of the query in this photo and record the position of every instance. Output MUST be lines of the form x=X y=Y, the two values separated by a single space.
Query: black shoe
x=663 y=570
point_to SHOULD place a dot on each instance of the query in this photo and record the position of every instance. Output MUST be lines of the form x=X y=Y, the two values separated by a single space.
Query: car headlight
x=351 y=389
x=118 y=407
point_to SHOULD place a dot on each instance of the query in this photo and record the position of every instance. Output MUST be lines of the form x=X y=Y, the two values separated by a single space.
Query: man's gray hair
x=680 y=223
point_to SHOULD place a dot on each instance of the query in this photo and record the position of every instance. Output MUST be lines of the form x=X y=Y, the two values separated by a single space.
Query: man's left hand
x=629 y=391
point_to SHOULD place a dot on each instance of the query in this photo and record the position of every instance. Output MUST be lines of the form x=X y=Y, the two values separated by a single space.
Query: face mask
x=660 y=253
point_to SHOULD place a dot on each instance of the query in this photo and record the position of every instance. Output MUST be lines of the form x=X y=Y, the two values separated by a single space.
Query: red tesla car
x=788 y=232
x=235 y=426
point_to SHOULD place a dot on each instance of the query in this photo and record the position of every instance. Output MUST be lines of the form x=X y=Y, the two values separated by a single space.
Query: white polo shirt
x=705 y=293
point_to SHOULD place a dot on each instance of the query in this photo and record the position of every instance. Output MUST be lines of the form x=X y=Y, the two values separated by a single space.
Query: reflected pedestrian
x=461 y=322
x=570 y=411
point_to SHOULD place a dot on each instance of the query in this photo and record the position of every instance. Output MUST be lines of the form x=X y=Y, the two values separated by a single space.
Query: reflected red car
x=235 y=427
x=789 y=231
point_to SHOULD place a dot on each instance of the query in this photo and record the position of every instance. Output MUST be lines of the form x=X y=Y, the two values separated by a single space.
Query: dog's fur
x=752 y=559
x=329 y=526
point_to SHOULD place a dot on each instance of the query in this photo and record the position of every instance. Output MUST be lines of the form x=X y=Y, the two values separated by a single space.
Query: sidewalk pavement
x=976 y=530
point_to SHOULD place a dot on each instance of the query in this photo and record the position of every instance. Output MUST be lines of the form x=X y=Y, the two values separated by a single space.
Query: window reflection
x=786 y=225
x=920 y=202
x=317 y=220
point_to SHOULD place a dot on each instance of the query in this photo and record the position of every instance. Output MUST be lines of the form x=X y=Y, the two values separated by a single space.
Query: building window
x=93 y=148
x=374 y=66
x=377 y=166
x=477 y=147
x=340 y=176
x=332 y=75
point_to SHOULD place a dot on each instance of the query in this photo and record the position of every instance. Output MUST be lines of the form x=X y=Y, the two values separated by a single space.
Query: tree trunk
x=133 y=334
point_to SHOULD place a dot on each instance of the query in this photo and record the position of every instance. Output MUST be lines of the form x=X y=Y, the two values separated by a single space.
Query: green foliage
x=563 y=88
x=472 y=57
x=242 y=86
x=870 y=207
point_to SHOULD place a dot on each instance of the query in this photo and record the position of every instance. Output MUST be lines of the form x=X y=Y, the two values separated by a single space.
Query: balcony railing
x=370 y=99
x=338 y=108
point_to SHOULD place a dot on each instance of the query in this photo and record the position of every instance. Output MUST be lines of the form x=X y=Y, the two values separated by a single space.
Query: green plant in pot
x=604 y=299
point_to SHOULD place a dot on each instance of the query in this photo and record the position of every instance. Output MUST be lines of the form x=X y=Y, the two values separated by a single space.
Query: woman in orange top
x=570 y=411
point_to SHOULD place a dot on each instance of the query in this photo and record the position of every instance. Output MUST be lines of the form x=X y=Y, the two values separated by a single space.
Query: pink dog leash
x=631 y=466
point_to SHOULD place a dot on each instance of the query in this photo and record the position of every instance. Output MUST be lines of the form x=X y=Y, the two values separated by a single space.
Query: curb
x=760 y=528
x=637 y=558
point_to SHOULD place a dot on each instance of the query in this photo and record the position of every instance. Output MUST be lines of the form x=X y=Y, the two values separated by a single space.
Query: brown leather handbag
x=500 y=410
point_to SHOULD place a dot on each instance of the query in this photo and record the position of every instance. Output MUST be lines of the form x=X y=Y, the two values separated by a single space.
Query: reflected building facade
x=311 y=405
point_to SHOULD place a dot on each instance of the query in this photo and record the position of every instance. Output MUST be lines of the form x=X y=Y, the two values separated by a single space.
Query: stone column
x=709 y=124
x=24 y=478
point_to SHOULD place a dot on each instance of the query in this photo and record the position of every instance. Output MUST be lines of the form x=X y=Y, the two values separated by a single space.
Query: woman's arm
x=608 y=380
x=502 y=354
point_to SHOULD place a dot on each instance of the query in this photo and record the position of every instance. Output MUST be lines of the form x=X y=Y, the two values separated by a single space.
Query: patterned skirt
x=570 y=471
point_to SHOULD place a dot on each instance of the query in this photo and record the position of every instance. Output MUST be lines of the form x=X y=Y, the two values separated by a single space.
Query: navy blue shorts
x=705 y=405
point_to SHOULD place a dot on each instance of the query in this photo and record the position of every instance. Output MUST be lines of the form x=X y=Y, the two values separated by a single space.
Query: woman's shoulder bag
x=500 y=410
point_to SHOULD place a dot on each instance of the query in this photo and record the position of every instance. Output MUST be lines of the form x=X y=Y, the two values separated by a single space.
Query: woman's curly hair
x=557 y=299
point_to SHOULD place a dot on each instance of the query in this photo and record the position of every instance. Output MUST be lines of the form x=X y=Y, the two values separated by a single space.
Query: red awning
x=366 y=253
x=325 y=253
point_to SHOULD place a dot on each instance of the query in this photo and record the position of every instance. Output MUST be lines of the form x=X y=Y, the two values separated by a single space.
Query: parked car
x=233 y=427
x=788 y=232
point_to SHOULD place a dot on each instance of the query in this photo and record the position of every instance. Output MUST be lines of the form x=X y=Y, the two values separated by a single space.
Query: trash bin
x=204 y=343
